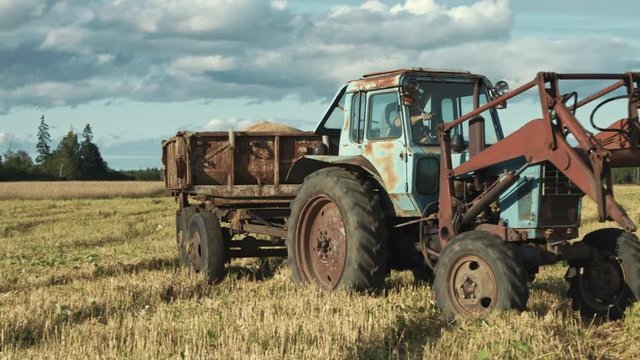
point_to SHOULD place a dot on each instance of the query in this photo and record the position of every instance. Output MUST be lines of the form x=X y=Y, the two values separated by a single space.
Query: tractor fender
x=306 y=165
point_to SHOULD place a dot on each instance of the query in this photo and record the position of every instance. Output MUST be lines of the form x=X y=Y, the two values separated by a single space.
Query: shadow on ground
x=259 y=270
x=406 y=338
x=100 y=271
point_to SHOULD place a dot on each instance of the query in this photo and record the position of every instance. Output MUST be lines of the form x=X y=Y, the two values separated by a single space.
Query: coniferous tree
x=87 y=134
x=66 y=158
x=44 y=138
x=92 y=165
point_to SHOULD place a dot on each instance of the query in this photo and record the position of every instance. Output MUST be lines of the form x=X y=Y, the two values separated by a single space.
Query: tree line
x=72 y=159
x=630 y=175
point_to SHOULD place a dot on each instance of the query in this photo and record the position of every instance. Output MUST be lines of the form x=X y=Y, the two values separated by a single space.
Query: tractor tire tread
x=355 y=196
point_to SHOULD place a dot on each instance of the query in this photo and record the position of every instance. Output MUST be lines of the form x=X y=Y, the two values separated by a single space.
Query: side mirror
x=457 y=143
x=499 y=89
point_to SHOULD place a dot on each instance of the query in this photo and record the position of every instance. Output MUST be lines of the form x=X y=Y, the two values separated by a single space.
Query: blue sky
x=139 y=71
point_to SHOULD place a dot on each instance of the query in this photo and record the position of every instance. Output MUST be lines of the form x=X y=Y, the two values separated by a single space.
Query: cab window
x=443 y=101
x=357 y=117
x=336 y=118
x=385 y=120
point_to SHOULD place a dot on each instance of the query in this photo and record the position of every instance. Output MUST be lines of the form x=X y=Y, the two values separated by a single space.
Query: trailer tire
x=617 y=278
x=183 y=219
x=477 y=273
x=337 y=236
x=205 y=248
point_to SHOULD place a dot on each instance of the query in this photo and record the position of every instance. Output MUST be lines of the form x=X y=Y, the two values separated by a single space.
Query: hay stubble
x=99 y=278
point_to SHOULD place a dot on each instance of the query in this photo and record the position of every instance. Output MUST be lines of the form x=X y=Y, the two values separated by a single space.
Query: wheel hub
x=325 y=246
x=603 y=282
x=323 y=250
x=467 y=292
x=473 y=285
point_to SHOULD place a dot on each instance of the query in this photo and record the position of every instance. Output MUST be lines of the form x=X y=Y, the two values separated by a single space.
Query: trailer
x=237 y=180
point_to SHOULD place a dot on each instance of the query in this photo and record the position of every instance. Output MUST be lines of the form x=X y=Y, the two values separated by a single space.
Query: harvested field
x=79 y=189
x=99 y=278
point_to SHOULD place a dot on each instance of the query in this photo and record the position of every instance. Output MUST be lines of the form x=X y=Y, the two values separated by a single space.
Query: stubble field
x=98 y=277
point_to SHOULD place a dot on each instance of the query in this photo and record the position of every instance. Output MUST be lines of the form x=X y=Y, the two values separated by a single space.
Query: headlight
x=501 y=88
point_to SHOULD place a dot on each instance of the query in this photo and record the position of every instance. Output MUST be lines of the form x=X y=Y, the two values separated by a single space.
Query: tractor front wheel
x=477 y=273
x=609 y=282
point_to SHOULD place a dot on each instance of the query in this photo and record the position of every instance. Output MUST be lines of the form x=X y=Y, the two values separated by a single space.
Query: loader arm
x=527 y=142
x=587 y=165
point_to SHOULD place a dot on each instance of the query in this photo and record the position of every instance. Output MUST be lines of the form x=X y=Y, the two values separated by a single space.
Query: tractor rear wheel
x=337 y=235
x=477 y=273
x=205 y=248
x=606 y=285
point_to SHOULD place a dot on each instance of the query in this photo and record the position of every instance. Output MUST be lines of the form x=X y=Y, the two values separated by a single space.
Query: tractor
x=410 y=169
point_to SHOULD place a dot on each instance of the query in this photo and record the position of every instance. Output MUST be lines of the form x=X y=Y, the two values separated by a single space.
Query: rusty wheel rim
x=322 y=249
x=602 y=283
x=472 y=285
x=194 y=250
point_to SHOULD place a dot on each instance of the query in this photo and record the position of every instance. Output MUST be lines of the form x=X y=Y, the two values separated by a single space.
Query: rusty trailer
x=240 y=179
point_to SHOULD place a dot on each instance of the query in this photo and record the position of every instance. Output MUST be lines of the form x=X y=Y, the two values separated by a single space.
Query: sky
x=140 y=70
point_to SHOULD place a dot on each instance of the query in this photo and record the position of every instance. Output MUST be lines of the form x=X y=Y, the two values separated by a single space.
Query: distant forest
x=72 y=159
x=81 y=160
x=626 y=176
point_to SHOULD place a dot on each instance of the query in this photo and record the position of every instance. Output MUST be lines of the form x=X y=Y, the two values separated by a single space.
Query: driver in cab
x=420 y=120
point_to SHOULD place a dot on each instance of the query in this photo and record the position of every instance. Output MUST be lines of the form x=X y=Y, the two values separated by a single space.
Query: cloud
x=418 y=7
x=15 y=13
x=72 y=52
x=7 y=138
x=123 y=154
x=201 y=64
x=416 y=24
x=279 y=4
x=65 y=39
x=519 y=60
x=228 y=124
x=10 y=141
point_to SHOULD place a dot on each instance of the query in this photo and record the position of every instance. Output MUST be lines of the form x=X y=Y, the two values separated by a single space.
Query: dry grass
x=99 y=279
x=40 y=190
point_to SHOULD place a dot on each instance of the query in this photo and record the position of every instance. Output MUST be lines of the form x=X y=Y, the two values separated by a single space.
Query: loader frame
x=588 y=164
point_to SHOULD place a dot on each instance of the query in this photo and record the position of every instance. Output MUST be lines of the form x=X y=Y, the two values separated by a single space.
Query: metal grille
x=554 y=182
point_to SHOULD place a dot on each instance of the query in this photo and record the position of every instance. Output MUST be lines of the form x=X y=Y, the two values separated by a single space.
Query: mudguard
x=308 y=164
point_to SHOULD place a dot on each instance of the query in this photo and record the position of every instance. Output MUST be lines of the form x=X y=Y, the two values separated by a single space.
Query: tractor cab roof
x=391 y=78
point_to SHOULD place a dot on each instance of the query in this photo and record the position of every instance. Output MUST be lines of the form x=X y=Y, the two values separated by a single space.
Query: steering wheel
x=425 y=136
x=422 y=133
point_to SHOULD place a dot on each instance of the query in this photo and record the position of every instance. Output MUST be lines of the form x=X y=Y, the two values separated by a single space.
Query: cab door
x=385 y=145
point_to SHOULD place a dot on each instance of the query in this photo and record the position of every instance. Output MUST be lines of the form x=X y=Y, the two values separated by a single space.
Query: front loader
x=473 y=273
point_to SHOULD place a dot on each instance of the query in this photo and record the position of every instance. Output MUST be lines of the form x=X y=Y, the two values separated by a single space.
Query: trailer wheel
x=205 y=247
x=610 y=282
x=477 y=273
x=337 y=235
x=183 y=219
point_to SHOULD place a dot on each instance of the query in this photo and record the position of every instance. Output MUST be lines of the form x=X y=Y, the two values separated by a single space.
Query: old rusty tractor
x=409 y=169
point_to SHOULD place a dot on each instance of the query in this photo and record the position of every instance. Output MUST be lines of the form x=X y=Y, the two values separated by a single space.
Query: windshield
x=437 y=102
x=333 y=119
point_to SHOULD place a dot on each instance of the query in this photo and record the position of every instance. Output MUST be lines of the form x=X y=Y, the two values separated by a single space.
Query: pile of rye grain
x=267 y=126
